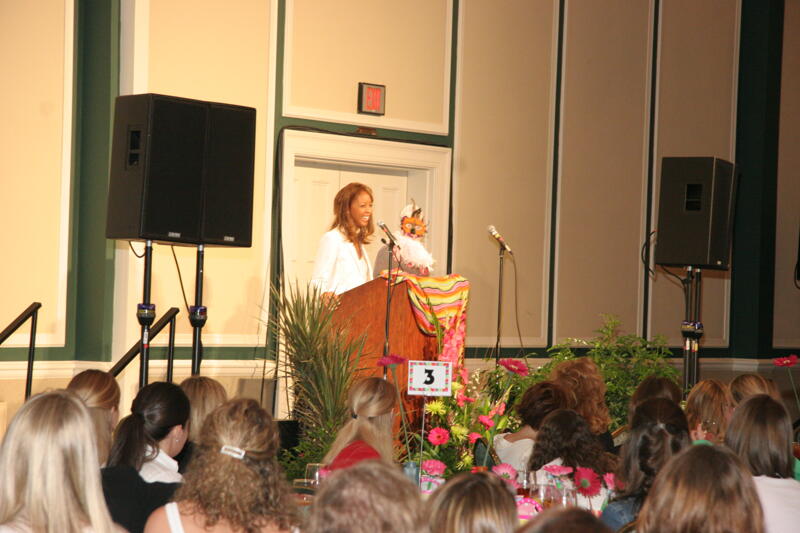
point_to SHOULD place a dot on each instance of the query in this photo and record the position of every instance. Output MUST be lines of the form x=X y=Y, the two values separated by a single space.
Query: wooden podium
x=363 y=311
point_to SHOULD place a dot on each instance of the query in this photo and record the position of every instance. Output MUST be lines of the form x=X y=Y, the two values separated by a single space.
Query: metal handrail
x=31 y=312
x=167 y=318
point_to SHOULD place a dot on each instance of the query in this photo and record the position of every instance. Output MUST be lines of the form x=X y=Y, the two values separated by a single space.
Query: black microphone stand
x=499 y=305
x=390 y=244
x=198 y=313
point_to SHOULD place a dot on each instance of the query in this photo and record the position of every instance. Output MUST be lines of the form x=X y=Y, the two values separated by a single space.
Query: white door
x=309 y=209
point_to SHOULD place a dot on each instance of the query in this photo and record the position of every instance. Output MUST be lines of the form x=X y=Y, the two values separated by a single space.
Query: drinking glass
x=313 y=473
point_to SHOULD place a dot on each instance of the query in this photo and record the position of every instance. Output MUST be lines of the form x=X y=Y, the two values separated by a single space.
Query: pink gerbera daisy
x=438 y=436
x=587 y=482
x=515 y=365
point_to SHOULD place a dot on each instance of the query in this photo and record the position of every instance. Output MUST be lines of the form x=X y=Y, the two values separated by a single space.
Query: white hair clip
x=233 y=451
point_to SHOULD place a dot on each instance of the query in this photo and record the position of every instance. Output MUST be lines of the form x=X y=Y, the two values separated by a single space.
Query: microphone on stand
x=499 y=238
x=388 y=233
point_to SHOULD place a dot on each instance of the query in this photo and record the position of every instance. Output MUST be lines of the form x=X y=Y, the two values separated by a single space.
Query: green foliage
x=624 y=361
x=311 y=449
x=320 y=362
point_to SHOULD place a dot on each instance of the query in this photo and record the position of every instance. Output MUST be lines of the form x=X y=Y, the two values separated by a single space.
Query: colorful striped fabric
x=444 y=297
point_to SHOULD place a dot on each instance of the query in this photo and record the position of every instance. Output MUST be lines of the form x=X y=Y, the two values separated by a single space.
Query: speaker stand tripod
x=198 y=313
x=691 y=327
x=145 y=314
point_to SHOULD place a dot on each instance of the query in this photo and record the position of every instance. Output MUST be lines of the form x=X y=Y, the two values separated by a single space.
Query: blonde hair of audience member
x=221 y=492
x=704 y=488
x=582 y=379
x=205 y=395
x=760 y=433
x=100 y=392
x=745 y=385
x=369 y=497
x=371 y=402
x=51 y=480
x=708 y=410
x=569 y=520
x=472 y=503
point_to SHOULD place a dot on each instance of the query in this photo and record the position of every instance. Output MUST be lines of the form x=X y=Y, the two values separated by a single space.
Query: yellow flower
x=436 y=407
x=457 y=386
x=458 y=432
x=464 y=461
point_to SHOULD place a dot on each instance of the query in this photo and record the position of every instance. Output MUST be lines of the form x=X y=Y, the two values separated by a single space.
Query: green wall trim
x=758 y=111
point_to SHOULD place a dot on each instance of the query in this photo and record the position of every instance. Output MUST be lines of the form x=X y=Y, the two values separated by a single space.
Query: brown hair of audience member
x=565 y=434
x=745 y=385
x=703 y=488
x=708 y=409
x=100 y=392
x=760 y=433
x=658 y=431
x=655 y=387
x=371 y=402
x=50 y=479
x=539 y=401
x=205 y=395
x=368 y=497
x=581 y=379
x=472 y=503
x=248 y=493
x=341 y=212
x=569 y=520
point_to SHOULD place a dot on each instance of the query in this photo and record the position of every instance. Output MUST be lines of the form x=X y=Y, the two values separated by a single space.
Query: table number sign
x=430 y=378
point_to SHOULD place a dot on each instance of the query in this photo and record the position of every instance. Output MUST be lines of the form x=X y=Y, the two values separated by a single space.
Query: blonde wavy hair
x=368 y=497
x=100 y=392
x=371 y=402
x=343 y=221
x=51 y=480
x=248 y=493
x=586 y=390
x=745 y=385
x=205 y=395
x=472 y=503
x=709 y=405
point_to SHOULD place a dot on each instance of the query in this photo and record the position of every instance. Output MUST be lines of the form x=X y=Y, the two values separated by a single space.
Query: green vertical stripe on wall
x=753 y=275
x=97 y=87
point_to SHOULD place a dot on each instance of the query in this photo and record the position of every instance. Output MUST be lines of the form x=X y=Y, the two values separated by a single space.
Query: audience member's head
x=587 y=390
x=658 y=431
x=745 y=385
x=205 y=395
x=472 y=503
x=539 y=401
x=655 y=387
x=158 y=420
x=708 y=410
x=760 y=433
x=371 y=402
x=369 y=497
x=100 y=392
x=569 y=520
x=234 y=476
x=50 y=477
x=566 y=435
x=703 y=488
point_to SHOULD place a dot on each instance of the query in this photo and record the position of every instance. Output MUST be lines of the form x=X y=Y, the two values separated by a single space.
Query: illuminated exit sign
x=371 y=98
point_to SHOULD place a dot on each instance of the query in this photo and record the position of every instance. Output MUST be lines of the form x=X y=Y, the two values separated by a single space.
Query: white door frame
x=428 y=170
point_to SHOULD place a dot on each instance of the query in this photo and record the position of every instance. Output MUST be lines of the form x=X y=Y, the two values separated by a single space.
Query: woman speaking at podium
x=342 y=262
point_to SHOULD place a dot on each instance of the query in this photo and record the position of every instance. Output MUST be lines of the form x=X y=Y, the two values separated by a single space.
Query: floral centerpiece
x=787 y=363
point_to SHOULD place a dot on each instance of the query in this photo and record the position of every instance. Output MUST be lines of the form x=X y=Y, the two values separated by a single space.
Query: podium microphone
x=499 y=238
x=388 y=233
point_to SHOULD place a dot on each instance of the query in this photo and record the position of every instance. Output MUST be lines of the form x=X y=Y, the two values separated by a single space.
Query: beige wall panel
x=332 y=46
x=503 y=162
x=603 y=166
x=220 y=52
x=787 y=297
x=34 y=165
x=696 y=116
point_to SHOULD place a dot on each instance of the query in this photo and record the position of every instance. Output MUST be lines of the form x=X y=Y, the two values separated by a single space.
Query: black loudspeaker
x=181 y=171
x=695 y=212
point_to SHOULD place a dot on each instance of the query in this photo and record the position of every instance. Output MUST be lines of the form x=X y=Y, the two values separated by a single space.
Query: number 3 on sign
x=430 y=378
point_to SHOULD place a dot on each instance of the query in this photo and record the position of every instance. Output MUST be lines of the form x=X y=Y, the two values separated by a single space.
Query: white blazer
x=337 y=268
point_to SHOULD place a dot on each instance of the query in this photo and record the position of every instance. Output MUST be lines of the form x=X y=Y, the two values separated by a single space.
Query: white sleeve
x=325 y=262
